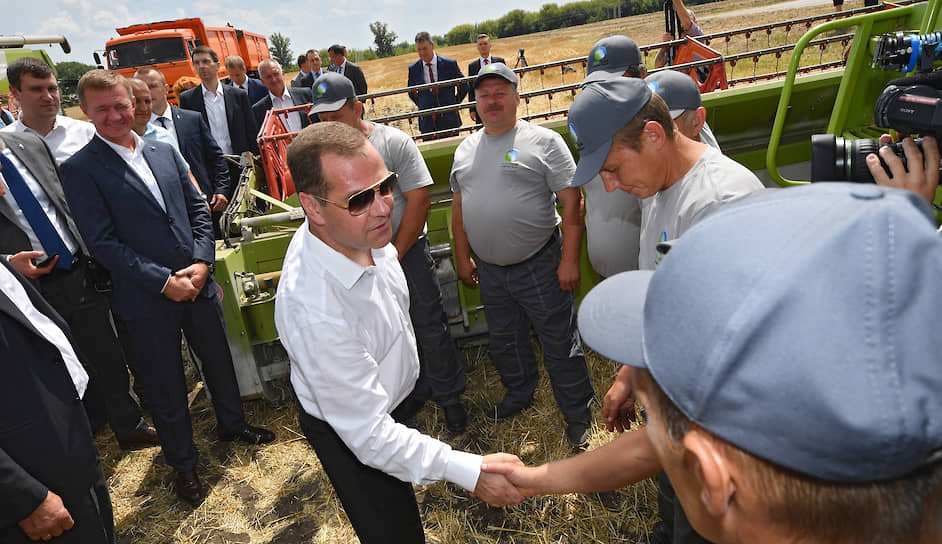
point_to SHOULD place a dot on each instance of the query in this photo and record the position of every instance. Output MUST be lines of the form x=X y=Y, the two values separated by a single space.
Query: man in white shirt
x=33 y=84
x=53 y=484
x=235 y=67
x=342 y=314
x=280 y=97
x=484 y=60
x=315 y=65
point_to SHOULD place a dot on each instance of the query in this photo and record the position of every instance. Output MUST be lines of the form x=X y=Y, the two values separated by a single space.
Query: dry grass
x=279 y=494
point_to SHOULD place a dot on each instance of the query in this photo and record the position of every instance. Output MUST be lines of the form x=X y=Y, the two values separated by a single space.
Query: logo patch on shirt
x=512 y=155
x=321 y=89
x=658 y=255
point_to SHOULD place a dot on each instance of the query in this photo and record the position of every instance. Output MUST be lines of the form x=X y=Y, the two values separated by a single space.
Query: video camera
x=909 y=105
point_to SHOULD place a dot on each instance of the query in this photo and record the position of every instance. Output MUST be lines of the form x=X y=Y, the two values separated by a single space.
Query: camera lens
x=836 y=159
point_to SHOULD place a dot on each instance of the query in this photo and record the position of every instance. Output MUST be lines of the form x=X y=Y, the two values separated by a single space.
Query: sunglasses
x=360 y=203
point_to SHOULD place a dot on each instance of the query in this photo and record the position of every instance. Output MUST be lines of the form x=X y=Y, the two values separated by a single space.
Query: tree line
x=518 y=22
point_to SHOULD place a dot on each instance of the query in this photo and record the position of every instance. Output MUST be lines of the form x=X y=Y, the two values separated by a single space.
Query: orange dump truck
x=167 y=46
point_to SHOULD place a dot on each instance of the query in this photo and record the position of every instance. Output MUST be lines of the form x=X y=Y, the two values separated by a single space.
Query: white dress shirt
x=354 y=359
x=291 y=120
x=167 y=123
x=66 y=137
x=57 y=220
x=215 y=105
x=14 y=290
x=138 y=163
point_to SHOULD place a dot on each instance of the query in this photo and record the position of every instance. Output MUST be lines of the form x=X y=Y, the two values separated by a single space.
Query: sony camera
x=909 y=105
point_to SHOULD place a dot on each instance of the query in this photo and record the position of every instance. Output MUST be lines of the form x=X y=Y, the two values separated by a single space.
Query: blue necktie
x=35 y=216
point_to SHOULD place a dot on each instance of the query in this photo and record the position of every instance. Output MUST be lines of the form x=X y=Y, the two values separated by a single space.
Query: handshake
x=505 y=480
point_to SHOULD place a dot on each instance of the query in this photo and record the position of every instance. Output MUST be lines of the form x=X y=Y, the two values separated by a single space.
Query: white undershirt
x=215 y=105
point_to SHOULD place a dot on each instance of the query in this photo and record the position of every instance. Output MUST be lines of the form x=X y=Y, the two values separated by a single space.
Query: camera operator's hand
x=923 y=175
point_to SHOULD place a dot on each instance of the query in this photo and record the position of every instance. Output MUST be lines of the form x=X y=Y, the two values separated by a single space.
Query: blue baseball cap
x=331 y=92
x=496 y=69
x=799 y=325
x=610 y=57
x=677 y=89
x=597 y=113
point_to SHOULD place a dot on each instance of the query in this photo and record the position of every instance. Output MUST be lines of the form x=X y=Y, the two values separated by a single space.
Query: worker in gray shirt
x=506 y=179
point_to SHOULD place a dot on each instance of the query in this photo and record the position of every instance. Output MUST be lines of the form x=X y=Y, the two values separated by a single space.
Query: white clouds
x=88 y=24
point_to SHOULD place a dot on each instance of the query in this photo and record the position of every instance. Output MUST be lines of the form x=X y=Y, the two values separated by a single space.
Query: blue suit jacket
x=256 y=89
x=239 y=118
x=126 y=230
x=445 y=96
x=201 y=151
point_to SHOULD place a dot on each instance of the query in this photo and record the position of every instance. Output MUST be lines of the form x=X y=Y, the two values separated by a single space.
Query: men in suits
x=303 y=78
x=484 y=49
x=225 y=109
x=235 y=67
x=35 y=221
x=144 y=220
x=36 y=89
x=340 y=64
x=431 y=68
x=195 y=141
x=53 y=485
x=280 y=97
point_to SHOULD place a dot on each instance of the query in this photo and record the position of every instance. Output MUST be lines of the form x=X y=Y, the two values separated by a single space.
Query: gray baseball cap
x=496 y=69
x=798 y=325
x=677 y=89
x=610 y=57
x=597 y=113
x=331 y=92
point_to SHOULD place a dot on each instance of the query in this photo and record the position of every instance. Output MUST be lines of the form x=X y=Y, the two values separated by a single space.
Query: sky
x=89 y=24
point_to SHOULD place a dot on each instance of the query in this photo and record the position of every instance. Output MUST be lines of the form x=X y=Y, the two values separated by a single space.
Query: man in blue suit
x=143 y=219
x=431 y=68
x=235 y=67
x=195 y=141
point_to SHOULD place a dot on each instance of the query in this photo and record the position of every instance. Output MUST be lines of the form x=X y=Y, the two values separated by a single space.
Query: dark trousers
x=159 y=369
x=441 y=376
x=381 y=508
x=526 y=293
x=91 y=512
x=88 y=314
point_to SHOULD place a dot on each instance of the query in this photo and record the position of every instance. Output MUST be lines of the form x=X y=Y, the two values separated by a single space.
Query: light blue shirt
x=161 y=134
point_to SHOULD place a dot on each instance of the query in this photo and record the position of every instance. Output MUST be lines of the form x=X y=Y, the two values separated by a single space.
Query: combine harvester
x=763 y=120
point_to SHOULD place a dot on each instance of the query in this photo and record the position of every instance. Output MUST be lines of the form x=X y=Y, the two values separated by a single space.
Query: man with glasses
x=342 y=315
x=442 y=376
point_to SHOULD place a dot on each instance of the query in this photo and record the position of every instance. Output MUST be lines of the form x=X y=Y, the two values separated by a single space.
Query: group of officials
x=789 y=387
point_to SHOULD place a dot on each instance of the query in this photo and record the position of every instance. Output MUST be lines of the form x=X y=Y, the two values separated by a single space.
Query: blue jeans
x=528 y=293
x=441 y=375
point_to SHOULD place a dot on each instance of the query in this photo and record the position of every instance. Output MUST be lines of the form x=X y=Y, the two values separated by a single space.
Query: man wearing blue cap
x=625 y=133
x=790 y=380
x=506 y=179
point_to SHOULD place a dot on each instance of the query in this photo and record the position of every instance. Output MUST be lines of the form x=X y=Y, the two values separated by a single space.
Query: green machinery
x=13 y=47
x=767 y=126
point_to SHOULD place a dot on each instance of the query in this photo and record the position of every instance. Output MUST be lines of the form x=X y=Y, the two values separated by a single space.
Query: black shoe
x=248 y=434
x=456 y=418
x=509 y=408
x=188 y=487
x=143 y=436
x=577 y=432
